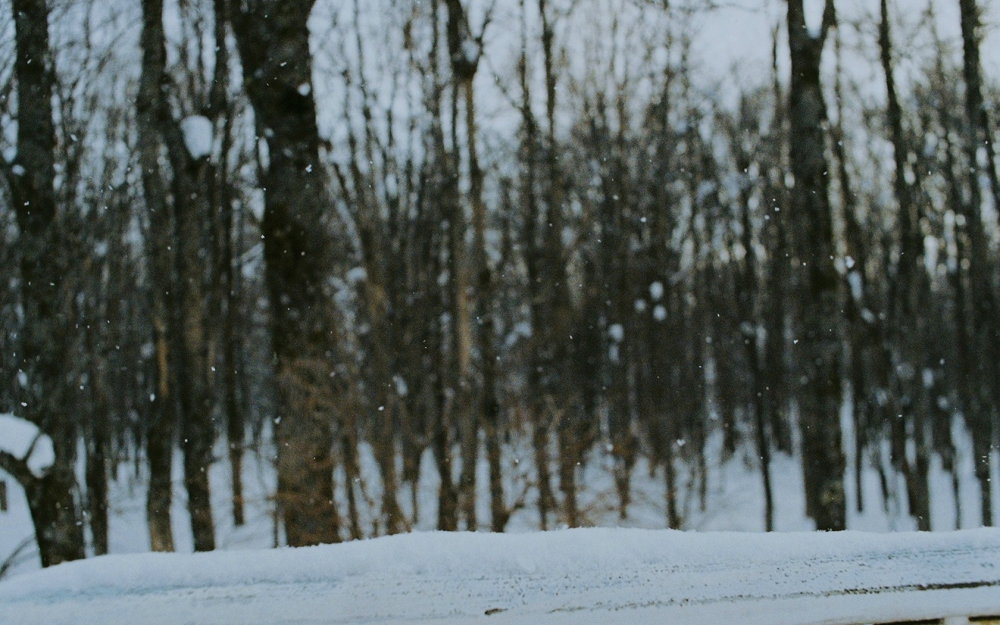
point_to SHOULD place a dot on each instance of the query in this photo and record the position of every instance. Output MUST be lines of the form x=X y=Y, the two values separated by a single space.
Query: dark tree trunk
x=186 y=332
x=488 y=412
x=273 y=41
x=197 y=428
x=464 y=65
x=31 y=179
x=985 y=326
x=747 y=297
x=97 y=492
x=818 y=325
x=904 y=300
x=556 y=314
x=863 y=335
x=96 y=440
x=443 y=186
x=227 y=282
x=163 y=413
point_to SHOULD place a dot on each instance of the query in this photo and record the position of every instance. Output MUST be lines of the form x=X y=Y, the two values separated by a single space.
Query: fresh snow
x=197 y=131
x=583 y=576
x=23 y=440
x=656 y=290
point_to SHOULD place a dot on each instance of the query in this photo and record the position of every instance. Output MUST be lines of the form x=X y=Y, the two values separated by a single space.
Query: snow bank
x=23 y=440
x=575 y=576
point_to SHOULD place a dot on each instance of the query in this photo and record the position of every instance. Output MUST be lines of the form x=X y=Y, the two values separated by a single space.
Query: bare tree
x=187 y=201
x=273 y=41
x=984 y=307
x=818 y=352
x=31 y=180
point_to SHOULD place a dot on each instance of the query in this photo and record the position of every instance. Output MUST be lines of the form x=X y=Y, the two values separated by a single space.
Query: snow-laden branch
x=24 y=449
x=197 y=130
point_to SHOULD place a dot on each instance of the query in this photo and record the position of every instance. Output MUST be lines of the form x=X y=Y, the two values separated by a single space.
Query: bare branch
x=829 y=21
x=17 y=468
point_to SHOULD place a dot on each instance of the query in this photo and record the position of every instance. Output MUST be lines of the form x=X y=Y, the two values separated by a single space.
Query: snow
x=616 y=332
x=197 y=131
x=579 y=576
x=656 y=290
x=470 y=51
x=356 y=275
x=854 y=280
x=23 y=440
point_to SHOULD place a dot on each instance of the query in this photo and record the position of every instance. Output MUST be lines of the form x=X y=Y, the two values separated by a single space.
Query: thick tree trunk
x=31 y=179
x=197 y=429
x=818 y=328
x=273 y=41
x=985 y=326
x=159 y=245
x=181 y=258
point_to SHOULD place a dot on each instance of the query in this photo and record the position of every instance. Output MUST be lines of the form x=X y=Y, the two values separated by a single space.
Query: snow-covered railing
x=951 y=620
x=581 y=577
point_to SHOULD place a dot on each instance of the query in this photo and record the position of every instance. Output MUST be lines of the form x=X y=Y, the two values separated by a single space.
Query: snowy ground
x=734 y=501
x=584 y=576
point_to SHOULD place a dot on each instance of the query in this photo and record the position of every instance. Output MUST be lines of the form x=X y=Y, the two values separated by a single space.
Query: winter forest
x=341 y=268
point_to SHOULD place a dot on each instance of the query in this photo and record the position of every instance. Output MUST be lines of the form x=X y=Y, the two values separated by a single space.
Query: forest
x=426 y=232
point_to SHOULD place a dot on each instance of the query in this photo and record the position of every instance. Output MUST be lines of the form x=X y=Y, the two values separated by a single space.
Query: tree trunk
x=31 y=179
x=159 y=245
x=464 y=414
x=985 y=328
x=904 y=300
x=555 y=306
x=747 y=296
x=488 y=412
x=96 y=441
x=197 y=429
x=227 y=282
x=818 y=327
x=186 y=327
x=273 y=41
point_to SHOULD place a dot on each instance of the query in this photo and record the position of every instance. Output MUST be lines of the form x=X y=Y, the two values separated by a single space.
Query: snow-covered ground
x=583 y=576
x=600 y=575
x=734 y=500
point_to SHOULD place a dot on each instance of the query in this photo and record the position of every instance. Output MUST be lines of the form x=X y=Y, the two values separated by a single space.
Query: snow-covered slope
x=574 y=576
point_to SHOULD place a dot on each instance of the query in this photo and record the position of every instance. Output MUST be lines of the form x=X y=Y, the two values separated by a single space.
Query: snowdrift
x=583 y=577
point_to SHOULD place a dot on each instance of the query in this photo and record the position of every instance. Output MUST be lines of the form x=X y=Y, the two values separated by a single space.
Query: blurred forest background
x=430 y=231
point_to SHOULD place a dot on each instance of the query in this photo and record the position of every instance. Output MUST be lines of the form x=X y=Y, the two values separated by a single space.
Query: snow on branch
x=197 y=131
x=22 y=443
